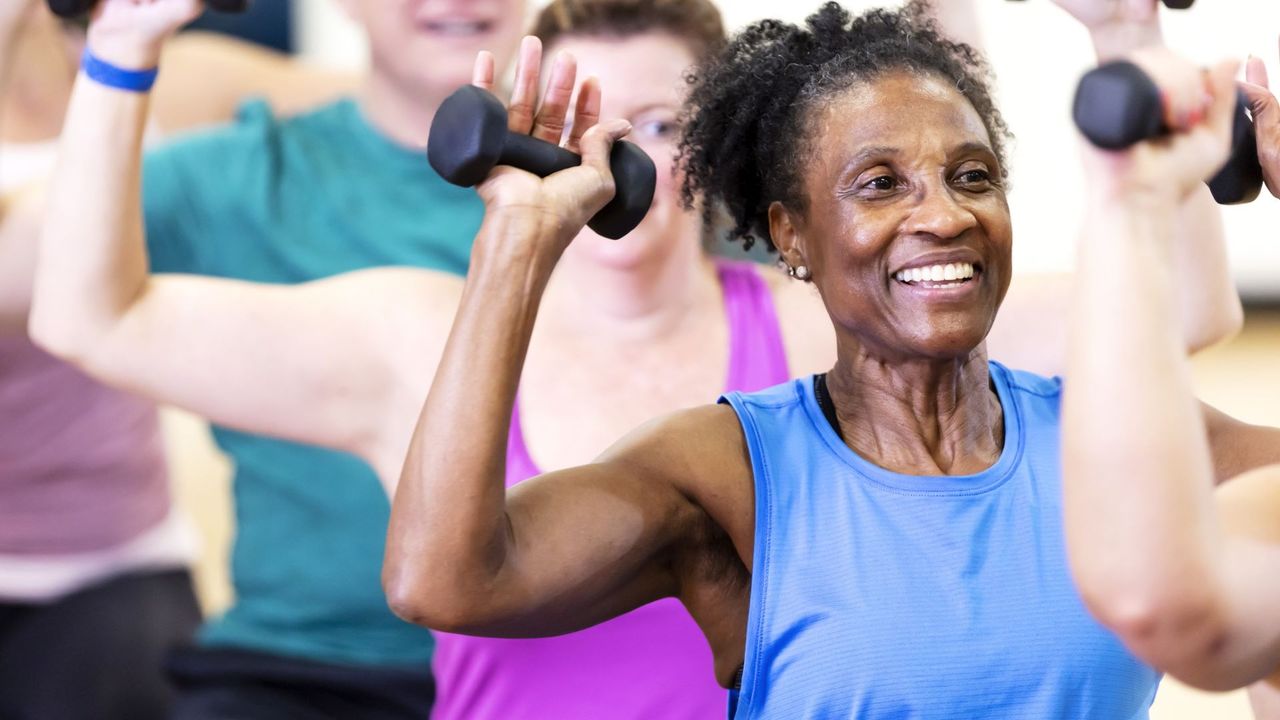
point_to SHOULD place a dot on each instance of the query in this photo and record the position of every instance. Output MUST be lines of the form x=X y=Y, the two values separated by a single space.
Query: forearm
x=1208 y=304
x=1142 y=536
x=1209 y=307
x=92 y=260
x=449 y=527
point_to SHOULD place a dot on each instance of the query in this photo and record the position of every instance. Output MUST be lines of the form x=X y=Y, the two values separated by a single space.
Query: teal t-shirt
x=286 y=201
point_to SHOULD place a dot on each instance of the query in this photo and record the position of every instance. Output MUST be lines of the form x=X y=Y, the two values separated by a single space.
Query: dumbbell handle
x=537 y=156
x=75 y=8
x=1117 y=105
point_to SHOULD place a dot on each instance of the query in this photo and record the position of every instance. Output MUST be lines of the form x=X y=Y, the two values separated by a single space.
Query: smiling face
x=429 y=46
x=906 y=229
x=641 y=79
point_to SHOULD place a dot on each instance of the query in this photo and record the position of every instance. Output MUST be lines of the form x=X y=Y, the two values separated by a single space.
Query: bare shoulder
x=807 y=334
x=1238 y=446
x=701 y=453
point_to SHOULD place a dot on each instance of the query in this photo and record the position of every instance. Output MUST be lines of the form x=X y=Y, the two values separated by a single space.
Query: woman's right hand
x=1200 y=105
x=555 y=208
x=131 y=33
x=1266 y=121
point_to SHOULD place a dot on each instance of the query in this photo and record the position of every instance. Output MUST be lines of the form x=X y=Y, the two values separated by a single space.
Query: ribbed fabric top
x=878 y=595
x=82 y=466
x=650 y=663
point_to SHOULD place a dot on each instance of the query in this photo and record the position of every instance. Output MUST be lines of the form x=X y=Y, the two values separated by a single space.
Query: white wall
x=1038 y=54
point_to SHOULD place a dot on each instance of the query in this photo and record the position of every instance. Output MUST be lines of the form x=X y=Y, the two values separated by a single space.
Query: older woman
x=882 y=540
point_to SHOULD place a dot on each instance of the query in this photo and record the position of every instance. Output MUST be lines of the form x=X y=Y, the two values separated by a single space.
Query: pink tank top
x=652 y=663
x=81 y=465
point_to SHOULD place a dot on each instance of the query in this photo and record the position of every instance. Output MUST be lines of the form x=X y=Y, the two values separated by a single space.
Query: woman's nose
x=939 y=214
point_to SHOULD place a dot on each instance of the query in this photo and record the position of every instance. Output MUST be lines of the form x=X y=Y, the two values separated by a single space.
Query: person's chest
x=576 y=400
x=308 y=220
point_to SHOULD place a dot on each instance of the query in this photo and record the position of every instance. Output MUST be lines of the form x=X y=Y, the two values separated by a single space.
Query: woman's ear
x=785 y=234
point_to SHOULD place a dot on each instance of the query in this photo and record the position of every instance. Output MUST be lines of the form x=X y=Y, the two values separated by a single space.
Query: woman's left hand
x=1266 y=120
x=1199 y=105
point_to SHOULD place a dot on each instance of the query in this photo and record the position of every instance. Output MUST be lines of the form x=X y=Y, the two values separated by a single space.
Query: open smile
x=456 y=27
x=955 y=275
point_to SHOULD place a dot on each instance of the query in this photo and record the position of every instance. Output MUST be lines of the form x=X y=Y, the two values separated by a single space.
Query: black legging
x=96 y=654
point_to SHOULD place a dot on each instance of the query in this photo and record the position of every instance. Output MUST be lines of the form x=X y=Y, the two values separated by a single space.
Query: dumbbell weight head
x=1117 y=105
x=469 y=137
x=76 y=8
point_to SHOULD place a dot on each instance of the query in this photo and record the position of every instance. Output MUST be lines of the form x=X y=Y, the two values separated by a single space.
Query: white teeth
x=936 y=273
x=457 y=27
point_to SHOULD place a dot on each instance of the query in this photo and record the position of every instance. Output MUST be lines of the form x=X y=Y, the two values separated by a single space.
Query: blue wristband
x=104 y=73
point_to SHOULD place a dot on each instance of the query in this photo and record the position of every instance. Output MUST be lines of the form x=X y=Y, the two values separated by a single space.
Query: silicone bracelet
x=104 y=73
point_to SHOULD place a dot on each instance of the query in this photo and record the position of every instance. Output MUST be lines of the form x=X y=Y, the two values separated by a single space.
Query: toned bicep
x=314 y=363
x=591 y=543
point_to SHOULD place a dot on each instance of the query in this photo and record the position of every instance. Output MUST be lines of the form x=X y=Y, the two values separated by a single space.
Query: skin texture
x=906 y=193
x=1186 y=576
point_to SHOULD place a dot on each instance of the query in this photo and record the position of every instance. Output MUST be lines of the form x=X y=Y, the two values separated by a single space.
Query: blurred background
x=1038 y=56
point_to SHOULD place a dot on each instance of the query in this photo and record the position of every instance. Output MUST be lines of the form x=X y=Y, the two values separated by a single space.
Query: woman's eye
x=657 y=129
x=974 y=177
x=884 y=182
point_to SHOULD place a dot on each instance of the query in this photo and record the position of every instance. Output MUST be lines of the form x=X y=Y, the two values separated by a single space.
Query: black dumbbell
x=1117 y=105
x=1179 y=4
x=76 y=8
x=469 y=136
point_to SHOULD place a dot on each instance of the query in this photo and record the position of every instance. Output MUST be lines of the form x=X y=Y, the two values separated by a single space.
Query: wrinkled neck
x=924 y=416
x=402 y=115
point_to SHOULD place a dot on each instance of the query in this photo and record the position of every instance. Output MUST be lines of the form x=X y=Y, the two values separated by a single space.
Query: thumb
x=1255 y=72
x=1222 y=84
x=1262 y=104
x=598 y=140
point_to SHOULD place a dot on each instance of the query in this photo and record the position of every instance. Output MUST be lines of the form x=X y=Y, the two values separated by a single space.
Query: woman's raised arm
x=323 y=363
x=573 y=547
x=1149 y=551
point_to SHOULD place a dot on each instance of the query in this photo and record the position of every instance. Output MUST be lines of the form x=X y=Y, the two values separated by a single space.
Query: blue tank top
x=880 y=596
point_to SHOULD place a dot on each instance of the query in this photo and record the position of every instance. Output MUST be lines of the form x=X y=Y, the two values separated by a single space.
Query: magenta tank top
x=652 y=663
x=81 y=465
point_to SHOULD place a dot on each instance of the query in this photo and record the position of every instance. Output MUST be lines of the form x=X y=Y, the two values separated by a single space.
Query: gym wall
x=1040 y=54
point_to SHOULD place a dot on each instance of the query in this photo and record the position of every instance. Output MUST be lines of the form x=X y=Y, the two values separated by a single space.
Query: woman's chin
x=643 y=246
